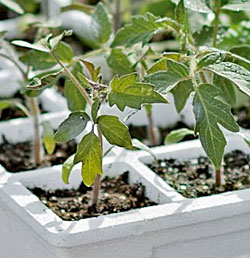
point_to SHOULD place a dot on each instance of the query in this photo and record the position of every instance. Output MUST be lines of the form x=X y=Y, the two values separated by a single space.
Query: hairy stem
x=117 y=15
x=216 y=22
x=152 y=136
x=218 y=177
x=74 y=80
x=37 y=151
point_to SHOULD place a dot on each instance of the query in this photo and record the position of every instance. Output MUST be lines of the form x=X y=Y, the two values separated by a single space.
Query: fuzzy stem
x=218 y=177
x=37 y=139
x=153 y=139
x=216 y=22
x=74 y=80
x=117 y=15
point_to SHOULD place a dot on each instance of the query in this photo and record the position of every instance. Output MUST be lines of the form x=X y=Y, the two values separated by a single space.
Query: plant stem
x=216 y=22
x=37 y=139
x=15 y=63
x=153 y=139
x=74 y=80
x=218 y=177
x=117 y=15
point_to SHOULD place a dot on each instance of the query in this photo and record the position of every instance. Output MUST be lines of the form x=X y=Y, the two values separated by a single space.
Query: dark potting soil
x=116 y=196
x=194 y=178
x=140 y=132
x=18 y=157
x=243 y=116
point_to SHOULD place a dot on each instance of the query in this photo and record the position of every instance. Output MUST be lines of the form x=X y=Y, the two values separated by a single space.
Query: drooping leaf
x=181 y=93
x=48 y=137
x=72 y=126
x=43 y=82
x=233 y=72
x=209 y=112
x=237 y=5
x=177 y=135
x=125 y=91
x=141 y=29
x=74 y=98
x=114 y=131
x=141 y=146
x=12 y=5
x=67 y=168
x=41 y=60
x=164 y=80
x=227 y=89
x=89 y=152
x=119 y=62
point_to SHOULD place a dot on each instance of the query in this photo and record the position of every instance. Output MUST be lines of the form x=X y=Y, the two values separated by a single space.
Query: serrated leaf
x=72 y=126
x=114 y=131
x=177 y=135
x=237 y=5
x=41 y=60
x=48 y=137
x=165 y=80
x=45 y=81
x=209 y=112
x=12 y=5
x=74 y=98
x=181 y=93
x=67 y=168
x=227 y=89
x=125 y=91
x=89 y=152
x=233 y=72
x=119 y=62
x=142 y=29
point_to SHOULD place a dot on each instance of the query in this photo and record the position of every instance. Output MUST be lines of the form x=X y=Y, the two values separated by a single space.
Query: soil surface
x=140 y=133
x=194 y=178
x=18 y=157
x=243 y=116
x=116 y=196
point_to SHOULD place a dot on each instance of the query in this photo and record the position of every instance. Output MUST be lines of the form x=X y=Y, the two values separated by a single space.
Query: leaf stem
x=73 y=78
x=218 y=177
x=216 y=22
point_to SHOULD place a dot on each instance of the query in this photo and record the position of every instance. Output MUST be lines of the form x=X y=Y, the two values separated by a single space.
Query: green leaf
x=237 y=5
x=142 y=29
x=114 y=131
x=181 y=93
x=101 y=25
x=93 y=72
x=209 y=112
x=53 y=42
x=119 y=62
x=125 y=91
x=204 y=36
x=177 y=135
x=72 y=126
x=233 y=72
x=243 y=51
x=45 y=81
x=89 y=152
x=67 y=168
x=41 y=60
x=196 y=5
x=48 y=137
x=36 y=46
x=181 y=15
x=227 y=89
x=74 y=98
x=12 y=5
x=160 y=65
x=164 y=80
